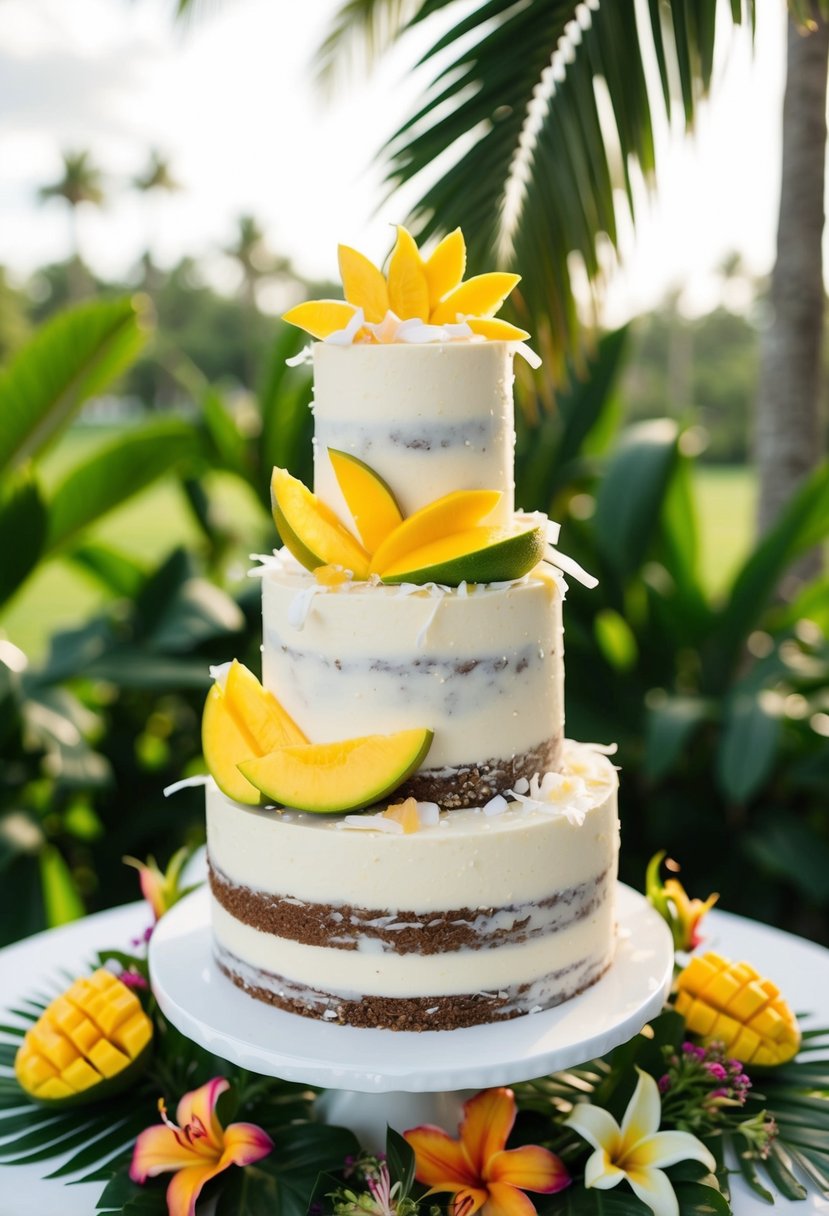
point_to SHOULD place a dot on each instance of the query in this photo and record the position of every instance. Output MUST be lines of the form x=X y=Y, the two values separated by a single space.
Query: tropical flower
x=682 y=914
x=477 y=1169
x=161 y=889
x=197 y=1148
x=637 y=1150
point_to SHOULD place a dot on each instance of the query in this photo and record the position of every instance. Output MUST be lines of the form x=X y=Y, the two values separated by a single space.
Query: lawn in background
x=152 y=524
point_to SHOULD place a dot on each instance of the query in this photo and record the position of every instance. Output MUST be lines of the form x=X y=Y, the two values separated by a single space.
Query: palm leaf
x=535 y=112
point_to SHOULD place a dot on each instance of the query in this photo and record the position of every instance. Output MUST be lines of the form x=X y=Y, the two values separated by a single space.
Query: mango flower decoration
x=417 y=300
x=477 y=1169
x=197 y=1148
x=682 y=914
x=636 y=1151
x=161 y=889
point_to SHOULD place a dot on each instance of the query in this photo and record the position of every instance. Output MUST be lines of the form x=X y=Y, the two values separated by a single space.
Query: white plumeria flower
x=637 y=1150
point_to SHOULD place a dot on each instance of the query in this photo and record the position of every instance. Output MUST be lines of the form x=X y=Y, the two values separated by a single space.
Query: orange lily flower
x=197 y=1148
x=477 y=1168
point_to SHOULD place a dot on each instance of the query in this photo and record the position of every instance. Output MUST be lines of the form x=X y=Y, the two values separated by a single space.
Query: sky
x=230 y=99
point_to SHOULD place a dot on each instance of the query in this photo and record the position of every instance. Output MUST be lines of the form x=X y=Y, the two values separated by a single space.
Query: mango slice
x=91 y=1042
x=408 y=286
x=320 y=318
x=311 y=530
x=369 y=499
x=480 y=296
x=733 y=1004
x=404 y=813
x=477 y=555
x=329 y=778
x=241 y=721
x=452 y=513
x=445 y=268
x=496 y=330
x=363 y=284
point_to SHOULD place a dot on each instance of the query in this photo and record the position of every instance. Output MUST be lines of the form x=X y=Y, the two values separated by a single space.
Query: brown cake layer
x=474 y=784
x=340 y=926
x=409 y=1013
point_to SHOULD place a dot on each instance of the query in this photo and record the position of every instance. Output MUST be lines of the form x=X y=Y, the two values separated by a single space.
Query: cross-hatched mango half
x=733 y=1004
x=91 y=1042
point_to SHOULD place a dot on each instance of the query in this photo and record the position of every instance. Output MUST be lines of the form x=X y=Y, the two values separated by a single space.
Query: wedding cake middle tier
x=482 y=665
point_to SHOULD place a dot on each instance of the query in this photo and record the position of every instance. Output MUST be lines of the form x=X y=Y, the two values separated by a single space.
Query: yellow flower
x=637 y=1150
x=197 y=1148
x=161 y=889
x=477 y=1169
x=682 y=914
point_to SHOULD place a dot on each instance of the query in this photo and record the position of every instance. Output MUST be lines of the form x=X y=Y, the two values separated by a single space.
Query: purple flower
x=716 y=1070
x=664 y=1083
x=691 y=1049
x=132 y=979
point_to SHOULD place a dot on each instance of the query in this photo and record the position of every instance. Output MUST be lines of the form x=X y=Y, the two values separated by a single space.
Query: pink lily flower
x=196 y=1148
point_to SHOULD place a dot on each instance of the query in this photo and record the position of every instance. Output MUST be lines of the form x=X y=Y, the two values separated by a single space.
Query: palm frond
x=540 y=116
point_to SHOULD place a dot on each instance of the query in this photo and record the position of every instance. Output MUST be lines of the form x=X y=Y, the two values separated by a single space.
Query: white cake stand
x=380 y=1078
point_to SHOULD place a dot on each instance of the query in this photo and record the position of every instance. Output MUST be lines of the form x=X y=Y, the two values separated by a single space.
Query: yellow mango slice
x=320 y=318
x=311 y=530
x=730 y=1002
x=480 y=296
x=241 y=721
x=327 y=778
x=452 y=513
x=69 y=1057
x=408 y=287
x=404 y=813
x=363 y=284
x=496 y=330
x=446 y=266
x=477 y=555
x=369 y=499
x=330 y=576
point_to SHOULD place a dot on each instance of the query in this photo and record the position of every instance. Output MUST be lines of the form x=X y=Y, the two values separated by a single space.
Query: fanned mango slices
x=241 y=721
x=408 y=286
x=446 y=267
x=477 y=555
x=431 y=290
x=363 y=284
x=733 y=1004
x=90 y=1043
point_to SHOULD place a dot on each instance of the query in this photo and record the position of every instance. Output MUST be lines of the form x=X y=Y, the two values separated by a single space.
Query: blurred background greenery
x=139 y=421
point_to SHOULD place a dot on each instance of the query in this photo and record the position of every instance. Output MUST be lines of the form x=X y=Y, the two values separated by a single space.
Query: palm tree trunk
x=788 y=430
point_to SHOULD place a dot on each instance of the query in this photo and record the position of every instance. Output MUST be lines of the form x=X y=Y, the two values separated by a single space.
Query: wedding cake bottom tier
x=476 y=917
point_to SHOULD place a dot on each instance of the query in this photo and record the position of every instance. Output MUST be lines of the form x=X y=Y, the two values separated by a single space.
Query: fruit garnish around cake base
x=477 y=555
x=90 y=1043
x=368 y=498
x=311 y=530
x=329 y=778
x=242 y=721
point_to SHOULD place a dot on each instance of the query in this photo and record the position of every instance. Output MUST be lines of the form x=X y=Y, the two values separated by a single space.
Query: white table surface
x=799 y=967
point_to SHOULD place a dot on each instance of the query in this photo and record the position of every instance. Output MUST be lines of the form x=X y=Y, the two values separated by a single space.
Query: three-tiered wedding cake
x=482 y=886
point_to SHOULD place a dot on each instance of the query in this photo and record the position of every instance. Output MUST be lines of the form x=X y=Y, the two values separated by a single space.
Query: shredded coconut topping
x=186 y=783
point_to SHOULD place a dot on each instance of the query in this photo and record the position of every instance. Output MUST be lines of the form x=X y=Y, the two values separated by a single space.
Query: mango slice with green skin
x=733 y=1004
x=478 y=555
x=480 y=296
x=363 y=284
x=453 y=512
x=320 y=318
x=311 y=530
x=241 y=721
x=408 y=286
x=90 y=1043
x=330 y=778
x=370 y=501
x=445 y=268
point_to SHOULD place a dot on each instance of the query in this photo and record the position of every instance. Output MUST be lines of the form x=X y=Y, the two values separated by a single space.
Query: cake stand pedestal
x=380 y=1078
